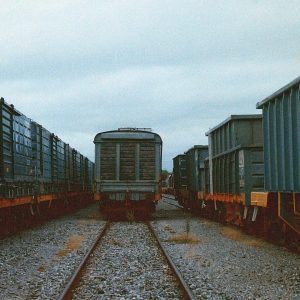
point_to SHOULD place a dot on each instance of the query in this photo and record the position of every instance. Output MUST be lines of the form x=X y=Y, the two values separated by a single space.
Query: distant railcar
x=128 y=164
x=195 y=171
x=180 y=179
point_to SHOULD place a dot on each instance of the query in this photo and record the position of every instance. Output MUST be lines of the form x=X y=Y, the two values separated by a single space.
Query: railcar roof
x=127 y=134
x=178 y=156
x=235 y=117
x=197 y=147
x=277 y=93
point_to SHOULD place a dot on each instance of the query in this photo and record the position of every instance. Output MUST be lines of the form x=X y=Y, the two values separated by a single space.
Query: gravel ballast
x=37 y=263
x=220 y=262
x=128 y=265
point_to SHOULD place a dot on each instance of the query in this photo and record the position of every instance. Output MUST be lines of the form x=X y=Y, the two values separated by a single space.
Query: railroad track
x=78 y=280
x=173 y=199
x=68 y=291
x=169 y=197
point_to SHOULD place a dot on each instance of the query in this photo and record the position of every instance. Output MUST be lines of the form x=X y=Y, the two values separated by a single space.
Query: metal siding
x=158 y=162
x=22 y=149
x=118 y=155
x=7 y=170
x=194 y=168
x=282 y=139
x=297 y=137
x=179 y=170
x=108 y=161
x=97 y=162
x=225 y=142
x=127 y=161
x=149 y=160
x=137 y=162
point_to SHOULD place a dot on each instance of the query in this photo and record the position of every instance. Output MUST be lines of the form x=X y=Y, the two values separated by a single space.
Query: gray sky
x=179 y=67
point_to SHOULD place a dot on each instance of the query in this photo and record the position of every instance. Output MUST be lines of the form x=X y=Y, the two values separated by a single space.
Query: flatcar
x=128 y=164
x=40 y=175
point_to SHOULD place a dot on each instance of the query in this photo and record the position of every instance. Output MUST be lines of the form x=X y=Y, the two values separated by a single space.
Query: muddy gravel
x=37 y=263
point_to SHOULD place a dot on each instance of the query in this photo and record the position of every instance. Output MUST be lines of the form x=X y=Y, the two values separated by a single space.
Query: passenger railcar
x=40 y=175
x=128 y=168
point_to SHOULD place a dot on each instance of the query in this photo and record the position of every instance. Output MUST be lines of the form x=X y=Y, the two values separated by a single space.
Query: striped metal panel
x=281 y=123
x=127 y=161
x=108 y=161
x=147 y=161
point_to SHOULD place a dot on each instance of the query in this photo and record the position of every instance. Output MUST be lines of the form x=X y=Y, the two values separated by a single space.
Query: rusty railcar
x=128 y=164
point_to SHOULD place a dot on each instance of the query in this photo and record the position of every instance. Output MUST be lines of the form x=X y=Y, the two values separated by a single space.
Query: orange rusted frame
x=6 y=202
x=157 y=196
x=11 y=202
x=224 y=198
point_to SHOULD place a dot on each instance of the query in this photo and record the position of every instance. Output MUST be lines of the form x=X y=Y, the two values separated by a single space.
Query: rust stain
x=72 y=244
x=41 y=269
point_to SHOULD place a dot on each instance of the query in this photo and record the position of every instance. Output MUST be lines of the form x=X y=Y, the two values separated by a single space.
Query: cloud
x=80 y=67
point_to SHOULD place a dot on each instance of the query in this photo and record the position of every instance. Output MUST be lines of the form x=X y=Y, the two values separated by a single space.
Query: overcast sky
x=179 y=67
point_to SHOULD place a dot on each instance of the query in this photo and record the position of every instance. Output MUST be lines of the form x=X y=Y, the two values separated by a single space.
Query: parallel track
x=73 y=283
x=68 y=291
x=187 y=293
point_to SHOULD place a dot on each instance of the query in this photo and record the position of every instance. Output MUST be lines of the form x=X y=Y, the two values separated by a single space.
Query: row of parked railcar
x=38 y=171
x=249 y=174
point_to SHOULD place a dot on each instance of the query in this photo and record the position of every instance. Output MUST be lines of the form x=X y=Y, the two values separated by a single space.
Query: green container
x=235 y=164
x=195 y=168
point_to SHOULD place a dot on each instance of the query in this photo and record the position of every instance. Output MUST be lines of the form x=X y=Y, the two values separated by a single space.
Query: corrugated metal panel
x=46 y=155
x=76 y=167
x=108 y=161
x=6 y=151
x=23 y=163
x=236 y=131
x=281 y=123
x=147 y=161
x=237 y=157
x=68 y=164
x=179 y=171
x=195 y=168
x=127 y=161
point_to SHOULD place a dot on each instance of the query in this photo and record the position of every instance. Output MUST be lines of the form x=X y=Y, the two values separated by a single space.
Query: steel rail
x=67 y=294
x=187 y=293
x=168 y=197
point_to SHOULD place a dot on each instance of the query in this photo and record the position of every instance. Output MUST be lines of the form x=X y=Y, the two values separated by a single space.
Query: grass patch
x=41 y=269
x=238 y=235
